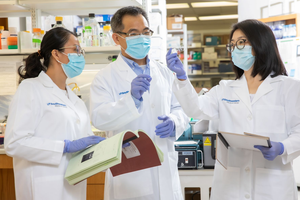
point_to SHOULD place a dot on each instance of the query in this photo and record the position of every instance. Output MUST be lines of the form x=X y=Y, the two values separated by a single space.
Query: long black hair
x=263 y=42
x=56 y=38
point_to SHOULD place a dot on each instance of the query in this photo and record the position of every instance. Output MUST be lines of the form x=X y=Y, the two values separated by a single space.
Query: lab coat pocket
x=226 y=183
x=48 y=188
x=133 y=185
x=273 y=184
x=270 y=119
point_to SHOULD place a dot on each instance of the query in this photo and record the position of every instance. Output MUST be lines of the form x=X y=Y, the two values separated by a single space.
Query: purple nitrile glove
x=166 y=128
x=80 y=144
x=272 y=152
x=126 y=145
x=175 y=65
x=139 y=85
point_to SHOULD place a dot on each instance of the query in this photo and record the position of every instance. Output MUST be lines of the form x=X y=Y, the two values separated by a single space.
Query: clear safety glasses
x=77 y=48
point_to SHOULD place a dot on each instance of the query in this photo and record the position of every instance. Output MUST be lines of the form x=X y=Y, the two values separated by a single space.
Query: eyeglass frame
x=128 y=34
x=227 y=45
x=78 y=49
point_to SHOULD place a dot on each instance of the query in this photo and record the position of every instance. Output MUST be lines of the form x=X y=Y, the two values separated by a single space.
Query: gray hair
x=116 y=21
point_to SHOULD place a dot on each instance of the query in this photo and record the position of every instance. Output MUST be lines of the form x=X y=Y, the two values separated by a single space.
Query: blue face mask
x=138 y=46
x=75 y=66
x=243 y=59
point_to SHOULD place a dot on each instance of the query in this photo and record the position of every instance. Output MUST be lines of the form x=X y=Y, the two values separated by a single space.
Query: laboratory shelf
x=9 y=51
x=87 y=50
x=28 y=51
x=180 y=31
x=204 y=46
x=102 y=49
x=219 y=59
x=193 y=61
x=22 y=8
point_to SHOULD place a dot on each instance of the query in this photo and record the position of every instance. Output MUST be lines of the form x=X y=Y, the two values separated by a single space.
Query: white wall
x=251 y=9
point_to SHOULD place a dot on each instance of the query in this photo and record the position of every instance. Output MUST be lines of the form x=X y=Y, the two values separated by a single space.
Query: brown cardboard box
x=174 y=22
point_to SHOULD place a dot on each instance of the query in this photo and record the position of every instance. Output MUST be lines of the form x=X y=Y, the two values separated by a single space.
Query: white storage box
x=209 y=49
x=209 y=56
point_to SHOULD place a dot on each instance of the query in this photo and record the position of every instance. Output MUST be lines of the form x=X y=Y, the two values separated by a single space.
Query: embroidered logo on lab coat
x=231 y=101
x=123 y=92
x=56 y=105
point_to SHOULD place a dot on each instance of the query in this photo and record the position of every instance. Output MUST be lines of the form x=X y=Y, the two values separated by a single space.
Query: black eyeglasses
x=240 y=44
x=134 y=33
x=76 y=47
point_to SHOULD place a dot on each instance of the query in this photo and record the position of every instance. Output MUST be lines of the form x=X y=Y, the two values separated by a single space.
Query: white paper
x=131 y=151
x=8 y=78
x=176 y=26
x=178 y=19
x=222 y=153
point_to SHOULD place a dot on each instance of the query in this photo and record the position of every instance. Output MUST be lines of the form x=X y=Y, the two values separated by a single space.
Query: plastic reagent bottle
x=12 y=40
x=5 y=35
x=37 y=38
x=1 y=30
x=92 y=29
x=59 y=23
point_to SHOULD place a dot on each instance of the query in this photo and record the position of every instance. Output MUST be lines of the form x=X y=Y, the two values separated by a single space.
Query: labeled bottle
x=26 y=40
x=5 y=35
x=42 y=34
x=93 y=27
x=59 y=22
x=1 y=30
x=107 y=36
x=37 y=38
x=12 y=40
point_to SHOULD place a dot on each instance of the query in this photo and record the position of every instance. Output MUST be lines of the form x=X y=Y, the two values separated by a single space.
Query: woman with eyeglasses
x=47 y=121
x=261 y=100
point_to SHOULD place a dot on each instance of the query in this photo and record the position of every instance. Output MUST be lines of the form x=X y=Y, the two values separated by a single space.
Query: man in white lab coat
x=135 y=92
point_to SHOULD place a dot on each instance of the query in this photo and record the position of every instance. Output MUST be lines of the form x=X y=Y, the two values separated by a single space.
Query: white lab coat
x=35 y=134
x=274 y=112
x=113 y=109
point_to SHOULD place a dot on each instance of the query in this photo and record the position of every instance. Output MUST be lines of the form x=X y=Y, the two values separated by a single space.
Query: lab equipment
x=5 y=35
x=276 y=149
x=12 y=40
x=59 y=22
x=209 y=151
x=166 y=128
x=175 y=65
x=37 y=38
x=82 y=143
x=139 y=85
x=189 y=154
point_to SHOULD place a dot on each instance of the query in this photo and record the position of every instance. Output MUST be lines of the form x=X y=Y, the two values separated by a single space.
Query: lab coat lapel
x=47 y=82
x=125 y=71
x=240 y=87
x=265 y=87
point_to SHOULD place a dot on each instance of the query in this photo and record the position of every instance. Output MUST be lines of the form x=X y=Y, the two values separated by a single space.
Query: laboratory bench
x=191 y=181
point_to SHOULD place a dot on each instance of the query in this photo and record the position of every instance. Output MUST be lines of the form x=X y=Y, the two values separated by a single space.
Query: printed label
x=131 y=151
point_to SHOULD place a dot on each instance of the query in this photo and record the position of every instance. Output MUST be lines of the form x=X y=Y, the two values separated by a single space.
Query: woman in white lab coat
x=262 y=100
x=47 y=121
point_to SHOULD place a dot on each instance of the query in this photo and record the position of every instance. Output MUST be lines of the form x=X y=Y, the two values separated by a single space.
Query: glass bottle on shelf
x=93 y=26
x=59 y=22
x=1 y=30
x=37 y=38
